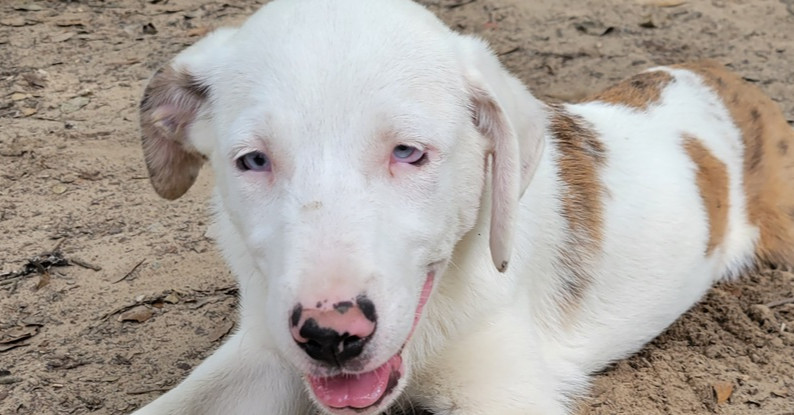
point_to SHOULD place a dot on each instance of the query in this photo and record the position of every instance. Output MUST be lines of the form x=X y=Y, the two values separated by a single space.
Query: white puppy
x=409 y=225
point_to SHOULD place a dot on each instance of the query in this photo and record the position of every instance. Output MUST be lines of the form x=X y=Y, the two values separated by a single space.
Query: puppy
x=410 y=226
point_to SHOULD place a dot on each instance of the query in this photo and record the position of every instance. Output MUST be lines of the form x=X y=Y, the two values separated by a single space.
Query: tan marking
x=580 y=157
x=639 y=92
x=712 y=181
x=768 y=166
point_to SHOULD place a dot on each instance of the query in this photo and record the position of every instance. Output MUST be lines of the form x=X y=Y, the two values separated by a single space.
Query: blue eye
x=255 y=161
x=407 y=154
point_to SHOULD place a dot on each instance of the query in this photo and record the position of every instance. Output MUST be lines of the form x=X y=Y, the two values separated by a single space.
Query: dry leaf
x=18 y=333
x=649 y=21
x=8 y=380
x=63 y=37
x=44 y=280
x=198 y=31
x=27 y=112
x=171 y=298
x=9 y=346
x=74 y=104
x=139 y=314
x=35 y=79
x=58 y=189
x=14 y=22
x=70 y=22
x=594 y=28
x=722 y=391
x=28 y=8
x=19 y=96
x=221 y=330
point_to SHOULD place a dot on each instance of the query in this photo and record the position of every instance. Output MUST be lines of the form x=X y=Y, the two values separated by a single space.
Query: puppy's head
x=350 y=142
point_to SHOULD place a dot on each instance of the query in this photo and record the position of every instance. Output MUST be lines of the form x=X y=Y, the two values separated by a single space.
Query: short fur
x=561 y=238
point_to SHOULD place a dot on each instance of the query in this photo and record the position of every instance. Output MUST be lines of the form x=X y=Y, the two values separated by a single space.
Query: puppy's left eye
x=408 y=154
x=255 y=161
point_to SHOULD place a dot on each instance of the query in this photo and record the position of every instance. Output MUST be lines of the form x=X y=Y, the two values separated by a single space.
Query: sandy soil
x=72 y=183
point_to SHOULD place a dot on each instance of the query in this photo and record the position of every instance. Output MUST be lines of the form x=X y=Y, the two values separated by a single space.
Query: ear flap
x=515 y=122
x=170 y=104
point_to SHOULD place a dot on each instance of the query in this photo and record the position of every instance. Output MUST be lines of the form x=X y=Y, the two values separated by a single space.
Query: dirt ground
x=133 y=293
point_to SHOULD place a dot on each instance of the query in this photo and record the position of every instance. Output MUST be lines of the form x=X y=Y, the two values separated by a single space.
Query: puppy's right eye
x=255 y=161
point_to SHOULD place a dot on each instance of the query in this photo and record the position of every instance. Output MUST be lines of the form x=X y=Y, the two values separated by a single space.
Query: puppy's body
x=639 y=205
x=634 y=203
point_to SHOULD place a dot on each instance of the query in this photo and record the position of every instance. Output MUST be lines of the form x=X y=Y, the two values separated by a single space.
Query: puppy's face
x=349 y=173
x=349 y=155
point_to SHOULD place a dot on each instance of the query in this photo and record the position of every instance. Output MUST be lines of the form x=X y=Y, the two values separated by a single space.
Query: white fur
x=327 y=88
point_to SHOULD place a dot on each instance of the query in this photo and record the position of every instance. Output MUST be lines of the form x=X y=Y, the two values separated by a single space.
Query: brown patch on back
x=580 y=157
x=768 y=167
x=639 y=92
x=712 y=181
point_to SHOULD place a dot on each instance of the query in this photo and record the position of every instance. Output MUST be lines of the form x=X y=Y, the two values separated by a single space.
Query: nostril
x=351 y=341
x=351 y=346
x=321 y=335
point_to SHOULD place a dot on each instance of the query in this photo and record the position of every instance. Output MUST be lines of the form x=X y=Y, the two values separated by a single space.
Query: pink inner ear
x=166 y=117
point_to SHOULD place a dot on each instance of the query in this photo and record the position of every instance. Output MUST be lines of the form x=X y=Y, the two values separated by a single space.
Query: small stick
x=135 y=268
x=780 y=302
x=456 y=5
x=145 y=391
x=87 y=265
x=11 y=280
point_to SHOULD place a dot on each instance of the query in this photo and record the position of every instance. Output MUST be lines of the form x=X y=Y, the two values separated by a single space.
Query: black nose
x=328 y=345
x=335 y=334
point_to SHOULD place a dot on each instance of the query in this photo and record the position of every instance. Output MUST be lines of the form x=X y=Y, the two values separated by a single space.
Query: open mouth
x=359 y=391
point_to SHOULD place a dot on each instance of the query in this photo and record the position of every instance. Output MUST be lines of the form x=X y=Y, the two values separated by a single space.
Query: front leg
x=495 y=368
x=237 y=379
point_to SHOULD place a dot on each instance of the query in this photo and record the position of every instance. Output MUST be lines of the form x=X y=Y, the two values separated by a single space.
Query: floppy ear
x=514 y=121
x=169 y=106
x=173 y=100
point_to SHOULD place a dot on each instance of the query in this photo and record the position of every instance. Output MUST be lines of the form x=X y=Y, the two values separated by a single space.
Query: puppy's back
x=768 y=166
x=767 y=146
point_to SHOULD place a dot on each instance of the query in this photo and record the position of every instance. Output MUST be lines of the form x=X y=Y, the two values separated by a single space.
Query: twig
x=57 y=249
x=10 y=280
x=456 y=5
x=127 y=275
x=145 y=391
x=780 y=302
x=509 y=51
x=87 y=265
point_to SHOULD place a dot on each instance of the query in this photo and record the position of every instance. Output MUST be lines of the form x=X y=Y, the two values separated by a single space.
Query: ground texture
x=109 y=295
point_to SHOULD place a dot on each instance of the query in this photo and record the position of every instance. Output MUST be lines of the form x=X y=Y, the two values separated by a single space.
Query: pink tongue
x=361 y=390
